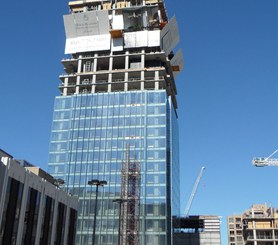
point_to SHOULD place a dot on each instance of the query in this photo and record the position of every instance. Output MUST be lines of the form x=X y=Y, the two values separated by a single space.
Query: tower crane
x=188 y=206
x=268 y=161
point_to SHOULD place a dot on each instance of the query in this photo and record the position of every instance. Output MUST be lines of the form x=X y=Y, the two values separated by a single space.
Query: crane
x=268 y=161
x=188 y=206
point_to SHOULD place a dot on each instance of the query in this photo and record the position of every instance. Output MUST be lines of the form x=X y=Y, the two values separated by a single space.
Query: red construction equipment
x=130 y=201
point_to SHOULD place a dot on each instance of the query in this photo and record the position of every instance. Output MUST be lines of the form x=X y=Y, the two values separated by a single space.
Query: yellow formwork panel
x=263 y=224
x=121 y=5
x=107 y=6
x=151 y=1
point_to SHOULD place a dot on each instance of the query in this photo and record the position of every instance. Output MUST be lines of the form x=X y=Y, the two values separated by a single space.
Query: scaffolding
x=129 y=210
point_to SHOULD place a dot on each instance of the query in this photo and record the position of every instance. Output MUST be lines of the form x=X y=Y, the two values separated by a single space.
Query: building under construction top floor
x=257 y=225
x=197 y=230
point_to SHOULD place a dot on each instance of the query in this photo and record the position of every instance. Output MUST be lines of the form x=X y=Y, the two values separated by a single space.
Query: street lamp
x=97 y=183
x=120 y=201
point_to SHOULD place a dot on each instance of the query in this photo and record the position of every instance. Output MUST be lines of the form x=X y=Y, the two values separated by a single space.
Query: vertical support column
x=6 y=161
x=65 y=89
x=126 y=68
x=67 y=220
x=273 y=231
x=109 y=83
x=110 y=74
x=55 y=215
x=156 y=78
x=254 y=227
x=94 y=76
x=79 y=69
x=145 y=15
x=111 y=62
x=22 y=209
x=94 y=84
x=41 y=209
x=143 y=71
x=95 y=63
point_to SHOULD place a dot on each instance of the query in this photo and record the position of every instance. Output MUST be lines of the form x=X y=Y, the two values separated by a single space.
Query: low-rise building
x=257 y=225
x=33 y=209
x=197 y=230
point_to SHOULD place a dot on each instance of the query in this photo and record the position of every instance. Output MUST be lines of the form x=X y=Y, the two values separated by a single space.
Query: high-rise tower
x=119 y=92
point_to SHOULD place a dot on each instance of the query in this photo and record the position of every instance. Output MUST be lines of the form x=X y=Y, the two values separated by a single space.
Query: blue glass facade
x=90 y=134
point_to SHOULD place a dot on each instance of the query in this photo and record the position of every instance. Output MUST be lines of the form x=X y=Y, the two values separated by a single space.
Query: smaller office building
x=197 y=230
x=33 y=209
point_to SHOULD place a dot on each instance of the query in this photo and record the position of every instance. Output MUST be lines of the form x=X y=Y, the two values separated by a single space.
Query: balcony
x=260 y=237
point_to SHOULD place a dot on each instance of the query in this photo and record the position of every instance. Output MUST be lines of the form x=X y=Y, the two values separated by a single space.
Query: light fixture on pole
x=120 y=201
x=97 y=183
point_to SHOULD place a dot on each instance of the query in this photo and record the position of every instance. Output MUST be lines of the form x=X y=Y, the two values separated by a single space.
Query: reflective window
x=47 y=220
x=31 y=217
x=60 y=225
x=11 y=212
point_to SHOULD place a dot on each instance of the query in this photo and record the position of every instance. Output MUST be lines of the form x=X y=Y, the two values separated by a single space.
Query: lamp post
x=97 y=183
x=120 y=201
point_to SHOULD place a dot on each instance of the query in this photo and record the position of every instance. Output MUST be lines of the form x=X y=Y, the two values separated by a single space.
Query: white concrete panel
x=141 y=39
x=86 y=24
x=170 y=36
x=85 y=44
x=130 y=39
x=154 y=38
x=103 y=22
x=118 y=22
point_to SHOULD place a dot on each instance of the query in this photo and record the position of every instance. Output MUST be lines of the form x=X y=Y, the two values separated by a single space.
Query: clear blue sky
x=227 y=94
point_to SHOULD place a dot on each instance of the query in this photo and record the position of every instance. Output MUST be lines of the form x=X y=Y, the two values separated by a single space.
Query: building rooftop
x=197 y=222
x=30 y=167
x=4 y=154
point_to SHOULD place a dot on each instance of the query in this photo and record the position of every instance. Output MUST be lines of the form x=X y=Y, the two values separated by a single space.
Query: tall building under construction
x=115 y=121
x=256 y=226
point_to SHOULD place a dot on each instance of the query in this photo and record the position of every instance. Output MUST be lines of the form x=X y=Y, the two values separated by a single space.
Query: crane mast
x=194 y=191
x=268 y=161
x=130 y=196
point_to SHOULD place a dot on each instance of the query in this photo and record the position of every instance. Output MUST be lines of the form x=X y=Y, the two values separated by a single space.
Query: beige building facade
x=258 y=225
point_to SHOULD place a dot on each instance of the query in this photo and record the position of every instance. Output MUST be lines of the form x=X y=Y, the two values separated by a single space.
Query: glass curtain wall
x=90 y=134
